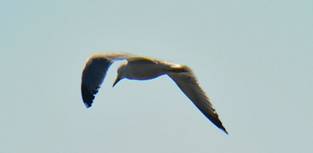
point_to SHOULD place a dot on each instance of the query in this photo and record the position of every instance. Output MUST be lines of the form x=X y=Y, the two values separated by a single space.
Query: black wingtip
x=223 y=129
x=217 y=122
x=87 y=104
x=220 y=126
x=87 y=96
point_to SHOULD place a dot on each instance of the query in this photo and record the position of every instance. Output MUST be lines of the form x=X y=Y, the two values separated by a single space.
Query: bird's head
x=120 y=74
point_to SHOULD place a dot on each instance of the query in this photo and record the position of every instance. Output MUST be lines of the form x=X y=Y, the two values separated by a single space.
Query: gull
x=144 y=68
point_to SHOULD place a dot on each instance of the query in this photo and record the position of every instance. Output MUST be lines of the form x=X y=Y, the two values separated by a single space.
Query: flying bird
x=144 y=68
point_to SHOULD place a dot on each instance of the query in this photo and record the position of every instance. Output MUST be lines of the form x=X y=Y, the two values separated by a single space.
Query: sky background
x=252 y=57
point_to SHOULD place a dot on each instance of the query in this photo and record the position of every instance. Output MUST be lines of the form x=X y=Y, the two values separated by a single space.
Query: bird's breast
x=144 y=72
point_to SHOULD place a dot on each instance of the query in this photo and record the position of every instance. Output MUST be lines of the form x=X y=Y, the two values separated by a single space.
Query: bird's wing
x=94 y=73
x=187 y=82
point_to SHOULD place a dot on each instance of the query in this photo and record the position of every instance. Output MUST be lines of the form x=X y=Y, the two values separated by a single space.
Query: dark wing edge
x=95 y=71
x=92 y=77
x=188 y=84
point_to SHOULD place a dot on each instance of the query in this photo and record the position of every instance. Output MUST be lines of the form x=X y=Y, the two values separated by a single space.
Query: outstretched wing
x=94 y=73
x=187 y=82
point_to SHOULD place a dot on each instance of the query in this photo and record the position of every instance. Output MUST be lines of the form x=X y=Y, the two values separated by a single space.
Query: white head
x=121 y=74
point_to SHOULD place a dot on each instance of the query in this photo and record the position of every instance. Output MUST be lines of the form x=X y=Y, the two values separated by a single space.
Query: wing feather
x=94 y=72
x=188 y=83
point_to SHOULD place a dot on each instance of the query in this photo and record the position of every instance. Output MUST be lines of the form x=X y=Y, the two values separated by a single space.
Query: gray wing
x=187 y=82
x=94 y=73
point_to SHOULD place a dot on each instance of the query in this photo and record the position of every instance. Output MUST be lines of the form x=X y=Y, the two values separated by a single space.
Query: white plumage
x=143 y=68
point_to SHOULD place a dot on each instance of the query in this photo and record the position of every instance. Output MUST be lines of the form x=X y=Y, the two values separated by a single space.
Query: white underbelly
x=145 y=72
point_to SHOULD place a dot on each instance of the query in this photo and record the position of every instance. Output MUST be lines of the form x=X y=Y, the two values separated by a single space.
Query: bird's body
x=143 y=68
x=140 y=68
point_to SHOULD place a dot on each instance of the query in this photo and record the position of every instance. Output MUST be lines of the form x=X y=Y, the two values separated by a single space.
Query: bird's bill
x=116 y=81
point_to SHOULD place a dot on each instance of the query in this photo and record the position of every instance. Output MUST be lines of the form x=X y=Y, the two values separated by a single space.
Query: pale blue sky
x=253 y=58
